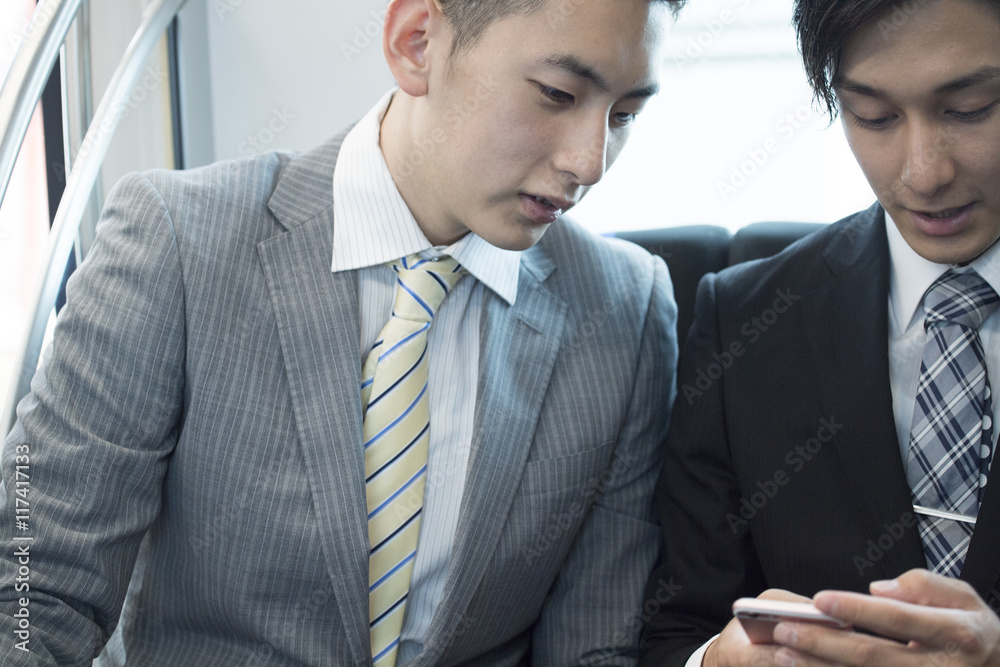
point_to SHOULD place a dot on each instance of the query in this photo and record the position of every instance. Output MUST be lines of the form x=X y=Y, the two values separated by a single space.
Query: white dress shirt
x=909 y=277
x=372 y=226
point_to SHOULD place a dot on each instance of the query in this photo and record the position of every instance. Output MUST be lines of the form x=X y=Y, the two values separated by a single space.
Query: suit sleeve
x=708 y=557
x=594 y=613
x=95 y=434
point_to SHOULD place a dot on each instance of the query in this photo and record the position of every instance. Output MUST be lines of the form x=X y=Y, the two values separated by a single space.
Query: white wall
x=291 y=73
x=255 y=75
x=143 y=137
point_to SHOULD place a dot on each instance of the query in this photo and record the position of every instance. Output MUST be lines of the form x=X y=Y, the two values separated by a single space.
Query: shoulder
x=231 y=201
x=848 y=244
x=585 y=262
x=616 y=294
x=225 y=180
x=247 y=180
x=203 y=200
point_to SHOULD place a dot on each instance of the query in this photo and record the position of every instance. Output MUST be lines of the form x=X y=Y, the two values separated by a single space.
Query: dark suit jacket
x=203 y=391
x=783 y=466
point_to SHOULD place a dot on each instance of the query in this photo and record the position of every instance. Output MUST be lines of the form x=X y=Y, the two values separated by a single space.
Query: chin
x=951 y=253
x=513 y=246
x=519 y=238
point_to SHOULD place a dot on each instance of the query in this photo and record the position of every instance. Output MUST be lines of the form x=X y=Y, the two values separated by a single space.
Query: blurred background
x=733 y=138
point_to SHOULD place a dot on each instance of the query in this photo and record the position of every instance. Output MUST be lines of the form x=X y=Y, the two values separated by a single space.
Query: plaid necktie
x=396 y=424
x=951 y=437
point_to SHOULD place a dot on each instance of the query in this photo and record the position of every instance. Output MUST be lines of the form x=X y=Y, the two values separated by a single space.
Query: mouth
x=943 y=221
x=944 y=214
x=544 y=210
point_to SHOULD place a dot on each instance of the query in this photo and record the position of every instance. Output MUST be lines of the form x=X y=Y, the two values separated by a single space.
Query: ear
x=411 y=27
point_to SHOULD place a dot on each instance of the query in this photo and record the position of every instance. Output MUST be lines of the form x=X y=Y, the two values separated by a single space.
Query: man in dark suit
x=834 y=424
x=204 y=423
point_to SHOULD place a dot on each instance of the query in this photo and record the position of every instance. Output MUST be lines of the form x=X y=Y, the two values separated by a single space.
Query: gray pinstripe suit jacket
x=196 y=427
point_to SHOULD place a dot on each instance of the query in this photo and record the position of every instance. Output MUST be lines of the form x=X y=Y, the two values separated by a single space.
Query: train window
x=24 y=218
x=733 y=137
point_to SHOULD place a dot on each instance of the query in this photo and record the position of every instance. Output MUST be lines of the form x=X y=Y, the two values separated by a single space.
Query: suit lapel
x=853 y=371
x=849 y=349
x=982 y=566
x=518 y=348
x=319 y=332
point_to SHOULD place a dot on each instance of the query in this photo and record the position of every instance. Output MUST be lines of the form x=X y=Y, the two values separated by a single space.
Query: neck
x=410 y=155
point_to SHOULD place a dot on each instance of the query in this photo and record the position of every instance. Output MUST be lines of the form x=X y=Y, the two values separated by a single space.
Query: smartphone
x=758 y=617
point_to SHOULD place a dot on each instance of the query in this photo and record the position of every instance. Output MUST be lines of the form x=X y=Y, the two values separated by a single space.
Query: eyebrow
x=578 y=68
x=981 y=75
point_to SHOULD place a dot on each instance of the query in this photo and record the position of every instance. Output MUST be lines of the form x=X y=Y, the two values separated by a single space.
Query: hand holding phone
x=758 y=617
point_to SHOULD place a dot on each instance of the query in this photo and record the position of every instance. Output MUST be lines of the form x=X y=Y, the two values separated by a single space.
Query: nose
x=928 y=165
x=584 y=155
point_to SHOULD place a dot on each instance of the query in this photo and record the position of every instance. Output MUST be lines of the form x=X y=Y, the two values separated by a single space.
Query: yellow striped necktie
x=396 y=425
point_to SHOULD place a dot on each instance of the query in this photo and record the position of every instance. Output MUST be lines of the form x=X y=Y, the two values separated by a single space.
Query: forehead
x=620 y=39
x=923 y=43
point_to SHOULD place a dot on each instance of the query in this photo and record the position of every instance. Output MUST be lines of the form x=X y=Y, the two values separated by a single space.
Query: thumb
x=782 y=595
x=927 y=589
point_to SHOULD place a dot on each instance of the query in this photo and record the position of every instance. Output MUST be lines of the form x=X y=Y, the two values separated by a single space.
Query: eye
x=972 y=116
x=554 y=94
x=873 y=123
x=623 y=119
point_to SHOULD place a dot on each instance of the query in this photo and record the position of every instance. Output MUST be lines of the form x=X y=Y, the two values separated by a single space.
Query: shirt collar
x=373 y=225
x=911 y=275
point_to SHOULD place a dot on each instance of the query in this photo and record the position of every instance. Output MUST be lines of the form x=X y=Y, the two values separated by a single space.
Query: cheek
x=486 y=164
x=616 y=144
x=521 y=125
x=514 y=140
x=976 y=156
x=876 y=159
x=984 y=159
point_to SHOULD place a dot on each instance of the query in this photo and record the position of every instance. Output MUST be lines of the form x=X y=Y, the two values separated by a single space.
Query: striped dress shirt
x=372 y=226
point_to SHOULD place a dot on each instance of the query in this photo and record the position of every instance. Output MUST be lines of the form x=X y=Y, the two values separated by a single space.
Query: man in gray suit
x=197 y=426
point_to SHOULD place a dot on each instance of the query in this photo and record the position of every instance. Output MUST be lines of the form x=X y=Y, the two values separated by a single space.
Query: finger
x=782 y=595
x=733 y=647
x=786 y=657
x=928 y=589
x=814 y=645
x=930 y=626
x=761 y=656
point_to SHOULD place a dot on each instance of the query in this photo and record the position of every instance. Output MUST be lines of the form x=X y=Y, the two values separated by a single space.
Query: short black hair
x=824 y=26
x=470 y=18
